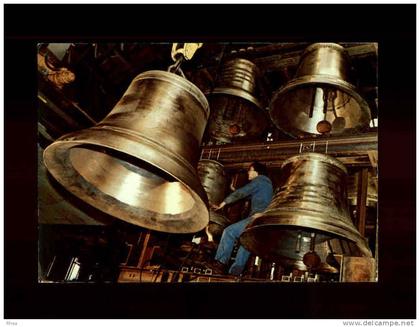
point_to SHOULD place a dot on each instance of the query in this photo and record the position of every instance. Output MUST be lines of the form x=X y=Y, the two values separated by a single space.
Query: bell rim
x=320 y=79
x=220 y=133
x=77 y=139
x=316 y=219
x=287 y=227
x=212 y=161
x=353 y=235
x=245 y=242
x=240 y=93
x=311 y=80
x=196 y=190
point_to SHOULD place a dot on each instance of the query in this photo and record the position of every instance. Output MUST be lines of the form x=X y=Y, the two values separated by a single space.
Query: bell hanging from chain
x=320 y=99
x=139 y=163
x=237 y=113
x=310 y=208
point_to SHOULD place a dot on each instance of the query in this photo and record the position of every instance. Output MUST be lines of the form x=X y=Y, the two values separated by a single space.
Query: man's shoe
x=217 y=268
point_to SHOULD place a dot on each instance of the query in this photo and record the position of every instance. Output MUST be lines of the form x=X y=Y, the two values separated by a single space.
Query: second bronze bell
x=310 y=208
x=237 y=111
x=138 y=164
x=214 y=180
x=320 y=99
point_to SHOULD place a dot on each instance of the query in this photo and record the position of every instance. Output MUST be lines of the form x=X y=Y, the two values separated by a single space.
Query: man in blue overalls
x=260 y=189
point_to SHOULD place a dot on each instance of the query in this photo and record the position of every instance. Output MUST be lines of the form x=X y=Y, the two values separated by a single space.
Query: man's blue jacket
x=261 y=191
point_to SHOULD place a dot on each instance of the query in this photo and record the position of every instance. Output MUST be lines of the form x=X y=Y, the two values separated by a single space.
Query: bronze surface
x=56 y=207
x=214 y=180
x=320 y=92
x=138 y=164
x=312 y=202
x=237 y=113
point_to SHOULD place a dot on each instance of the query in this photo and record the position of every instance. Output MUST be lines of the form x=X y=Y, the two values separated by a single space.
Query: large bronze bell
x=237 y=113
x=214 y=180
x=139 y=163
x=310 y=208
x=320 y=99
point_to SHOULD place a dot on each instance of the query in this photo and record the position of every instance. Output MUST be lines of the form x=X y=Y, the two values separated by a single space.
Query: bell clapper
x=324 y=126
x=311 y=259
x=313 y=242
x=299 y=242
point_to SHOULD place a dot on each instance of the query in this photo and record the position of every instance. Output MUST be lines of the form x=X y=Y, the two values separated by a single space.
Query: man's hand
x=232 y=185
x=218 y=207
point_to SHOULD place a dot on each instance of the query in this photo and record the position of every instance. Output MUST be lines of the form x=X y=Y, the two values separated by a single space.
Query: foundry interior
x=138 y=141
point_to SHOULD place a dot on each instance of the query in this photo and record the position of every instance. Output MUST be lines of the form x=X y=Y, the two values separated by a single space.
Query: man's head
x=256 y=169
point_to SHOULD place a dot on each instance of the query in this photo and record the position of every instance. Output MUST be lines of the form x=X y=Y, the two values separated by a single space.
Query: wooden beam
x=278 y=62
x=364 y=50
x=373 y=157
x=143 y=251
x=362 y=187
x=351 y=150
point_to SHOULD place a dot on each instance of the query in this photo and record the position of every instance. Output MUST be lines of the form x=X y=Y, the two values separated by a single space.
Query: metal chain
x=175 y=68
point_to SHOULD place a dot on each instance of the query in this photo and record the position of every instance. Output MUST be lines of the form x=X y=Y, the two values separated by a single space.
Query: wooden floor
x=157 y=275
